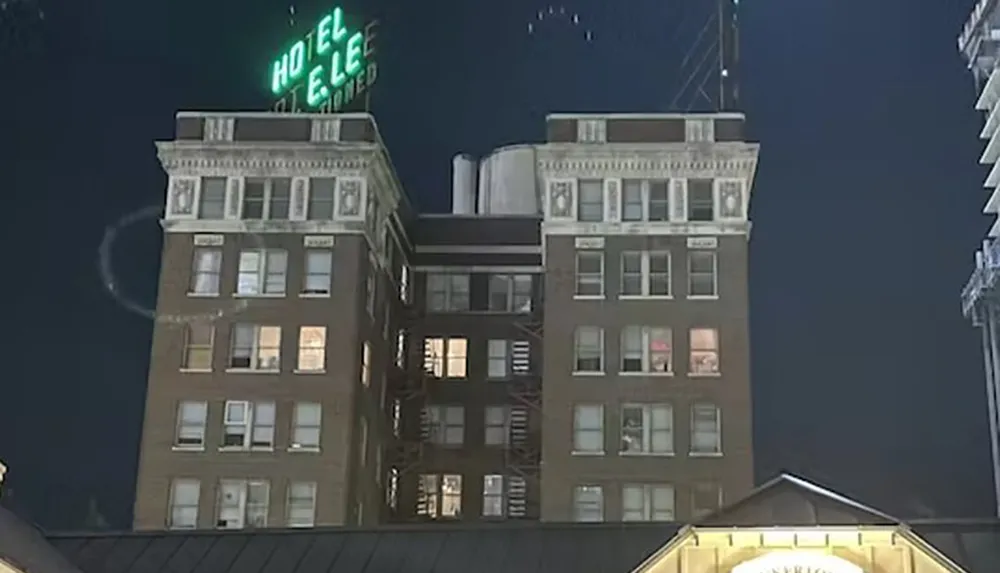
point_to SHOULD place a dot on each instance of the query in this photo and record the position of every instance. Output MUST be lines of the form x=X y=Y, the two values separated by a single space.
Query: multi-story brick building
x=571 y=343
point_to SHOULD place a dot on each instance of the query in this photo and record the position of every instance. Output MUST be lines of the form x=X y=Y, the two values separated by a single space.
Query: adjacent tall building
x=571 y=343
x=980 y=45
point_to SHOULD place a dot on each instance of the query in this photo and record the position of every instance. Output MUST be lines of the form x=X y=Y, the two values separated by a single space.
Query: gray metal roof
x=25 y=547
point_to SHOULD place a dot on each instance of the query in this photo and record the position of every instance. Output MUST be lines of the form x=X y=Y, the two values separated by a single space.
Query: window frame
x=491 y=427
x=646 y=274
x=244 y=505
x=651 y=196
x=696 y=355
x=716 y=450
x=301 y=430
x=582 y=205
x=578 y=349
x=580 y=432
x=249 y=427
x=267 y=198
x=648 y=496
x=646 y=353
x=262 y=274
x=190 y=347
x=292 y=499
x=504 y=358
x=365 y=374
x=441 y=366
x=213 y=273
x=311 y=202
x=588 y=278
x=453 y=288
x=173 y=508
x=182 y=424
x=309 y=353
x=717 y=492
x=693 y=274
x=309 y=273
x=257 y=348
x=441 y=427
x=435 y=499
x=219 y=201
x=697 y=205
x=582 y=505
x=516 y=299
x=648 y=429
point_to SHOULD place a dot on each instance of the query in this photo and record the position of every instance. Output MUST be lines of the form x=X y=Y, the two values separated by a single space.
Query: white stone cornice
x=198 y=159
x=708 y=229
x=649 y=161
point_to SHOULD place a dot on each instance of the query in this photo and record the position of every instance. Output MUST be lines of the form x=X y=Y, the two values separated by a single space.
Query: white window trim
x=649 y=509
x=715 y=275
x=591 y=131
x=602 y=430
x=298 y=355
x=647 y=430
x=188 y=346
x=506 y=357
x=718 y=433
x=262 y=272
x=646 y=353
x=249 y=426
x=254 y=350
x=645 y=187
x=312 y=500
x=576 y=275
x=172 y=503
x=179 y=423
x=268 y=193
x=296 y=446
x=243 y=502
x=646 y=276
x=577 y=490
x=604 y=353
x=195 y=260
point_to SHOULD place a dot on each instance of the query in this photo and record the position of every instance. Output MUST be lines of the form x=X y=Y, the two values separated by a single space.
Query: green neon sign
x=327 y=68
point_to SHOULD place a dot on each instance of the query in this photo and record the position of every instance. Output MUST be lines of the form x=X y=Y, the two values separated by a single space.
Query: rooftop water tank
x=507 y=183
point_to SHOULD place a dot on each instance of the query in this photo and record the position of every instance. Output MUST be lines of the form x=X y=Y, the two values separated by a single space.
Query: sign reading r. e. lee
x=326 y=69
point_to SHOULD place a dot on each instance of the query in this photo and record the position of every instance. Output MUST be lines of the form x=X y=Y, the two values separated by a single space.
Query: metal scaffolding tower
x=706 y=37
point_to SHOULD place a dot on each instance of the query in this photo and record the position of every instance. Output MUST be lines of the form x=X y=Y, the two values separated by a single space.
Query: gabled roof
x=791 y=501
x=24 y=547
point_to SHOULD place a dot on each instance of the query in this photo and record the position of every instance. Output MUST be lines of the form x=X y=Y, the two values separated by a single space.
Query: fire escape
x=524 y=450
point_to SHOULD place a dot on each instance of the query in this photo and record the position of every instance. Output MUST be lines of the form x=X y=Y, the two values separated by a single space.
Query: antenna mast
x=707 y=77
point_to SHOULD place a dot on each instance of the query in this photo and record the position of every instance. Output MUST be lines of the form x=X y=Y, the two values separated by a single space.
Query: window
x=699 y=130
x=588 y=429
x=363 y=443
x=446 y=357
x=198 y=342
x=498 y=359
x=248 y=425
x=440 y=496
x=588 y=503
x=647 y=502
x=262 y=272
x=301 y=504
x=256 y=347
x=647 y=349
x=703 y=274
x=706 y=429
x=591 y=130
x=212 y=204
x=701 y=204
x=497 y=426
x=445 y=425
x=366 y=364
x=447 y=292
x=589 y=350
x=318 y=272
x=503 y=495
x=647 y=429
x=510 y=293
x=206 y=272
x=184 y=497
x=705 y=498
x=312 y=349
x=645 y=273
x=191 y=418
x=243 y=503
x=321 y=193
x=401 y=348
x=267 y=198
x=590 y=273
x=307 y=423
x=590 y=207
x=370 y=286
x=645 y=200
x=704 y=351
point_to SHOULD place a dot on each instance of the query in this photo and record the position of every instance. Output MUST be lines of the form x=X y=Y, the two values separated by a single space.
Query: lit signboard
x=326 y=69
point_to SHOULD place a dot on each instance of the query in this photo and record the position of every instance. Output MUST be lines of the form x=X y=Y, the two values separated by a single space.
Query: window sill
x=704 y=374
x=588 y=297
x=260 y=295
x=188 y=449
x=587 y=454
x=314 y=295
x=252 y=371
x=587 y=374
x=303 y=449
x=705 y=454
x=196 y=370
x=203 y=295
x=308 y=372
x=646 y=454
x=645 y=297
x=643 y=374
x=237 y=449
x=703 y=297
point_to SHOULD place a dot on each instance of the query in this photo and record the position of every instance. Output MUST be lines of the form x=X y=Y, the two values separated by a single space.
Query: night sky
x=866 y=210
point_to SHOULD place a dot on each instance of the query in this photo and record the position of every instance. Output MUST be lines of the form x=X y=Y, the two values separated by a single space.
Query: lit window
x=445 y=425
x=248 y=425
x=318 y=272
x=705 y=498
x=588 y=503
x=321 y=194
x=647 y=429
x=301 y=504
x=703 y=274
x=262 y=272
x=366 y=364
x=704 y=351
x=646 y=349
x=589 y=350
x=706 y=429
x=647 y=502
x=645 y=200
x=440 y=496
x=588 y=429
x=312 y=349
x=307 y=424
x=206 y=272
x=198 y=342
x=446 y=357
x=256 y=347
x=184 y=497
x=243 y=503
x=497 y=425
x=447 y=292
x=191 y=417
x=212 y=203
x=701 y=200
x=645 y=273
x=590 y=273
x=510 y=293
x=404 y=284
x=590 y=207
x=266 y=198
x=401 y=348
